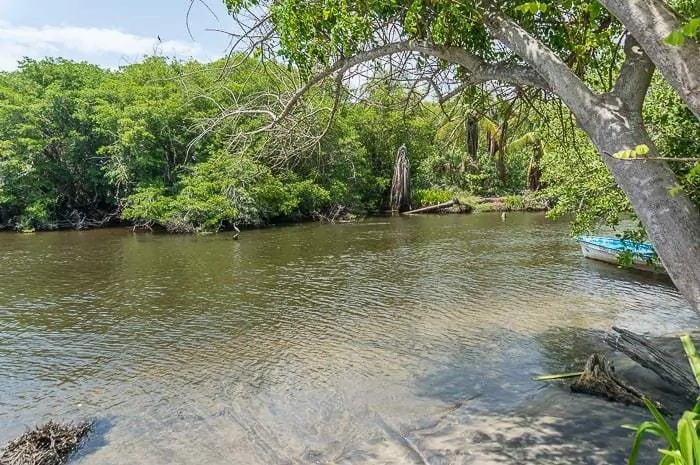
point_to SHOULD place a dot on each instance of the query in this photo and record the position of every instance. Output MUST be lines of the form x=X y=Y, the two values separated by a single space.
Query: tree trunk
x=400 y=197
x=472 y=127
x=599 y=379
x=501 y=153
x=433 y=208
x=492 y=145
x=650 y=22
x=496 y=154
x=671 y=221
x=534 y=173
x=614 y=123
x=671 y=367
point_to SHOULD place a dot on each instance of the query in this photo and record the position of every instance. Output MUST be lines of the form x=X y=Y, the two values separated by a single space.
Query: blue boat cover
x=642 y=249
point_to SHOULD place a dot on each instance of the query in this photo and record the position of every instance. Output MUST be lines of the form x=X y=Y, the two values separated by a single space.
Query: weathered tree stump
x=599 y=379
x=400 y=195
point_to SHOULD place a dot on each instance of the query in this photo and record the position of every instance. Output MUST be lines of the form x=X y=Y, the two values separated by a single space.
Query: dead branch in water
x=672 y=369
x=48 y=444
x=432 y=208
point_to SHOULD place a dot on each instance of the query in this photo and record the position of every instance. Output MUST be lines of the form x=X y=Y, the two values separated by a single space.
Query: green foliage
x=225 y=190
x=80 y=145
x=676 y=132
x=688 y=30
x=47 y=166
x=691 y=183
x=580 y=185
x=485 y=207
x=514 y=202
x=426 y=197
x=682 y=446
x=627 y=258
x=640 y=151
x=532 y=7
x=582 y=33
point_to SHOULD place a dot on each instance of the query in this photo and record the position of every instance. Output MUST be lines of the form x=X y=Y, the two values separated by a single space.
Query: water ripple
x=285 y=346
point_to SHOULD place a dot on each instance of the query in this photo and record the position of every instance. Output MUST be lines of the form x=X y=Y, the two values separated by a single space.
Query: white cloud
x=108 y=47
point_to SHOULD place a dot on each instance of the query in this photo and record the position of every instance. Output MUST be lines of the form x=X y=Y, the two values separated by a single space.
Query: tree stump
x=400 y=196
x=599 y=379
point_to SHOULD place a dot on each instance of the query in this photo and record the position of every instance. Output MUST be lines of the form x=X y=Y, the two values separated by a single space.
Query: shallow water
x=402 y=340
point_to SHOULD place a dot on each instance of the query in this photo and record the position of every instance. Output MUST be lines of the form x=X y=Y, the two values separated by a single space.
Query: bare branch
x=561 y=79
x=480 y=70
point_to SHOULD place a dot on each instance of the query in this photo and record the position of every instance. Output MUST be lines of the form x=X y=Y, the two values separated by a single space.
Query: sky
x=110 y=33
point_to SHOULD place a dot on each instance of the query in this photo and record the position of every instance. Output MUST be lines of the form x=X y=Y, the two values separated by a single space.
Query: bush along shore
x=84 y=147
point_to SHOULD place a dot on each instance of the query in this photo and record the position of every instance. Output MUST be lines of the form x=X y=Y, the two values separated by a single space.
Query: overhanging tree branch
x=560 y=78
x=479 y=70
x=650 y=22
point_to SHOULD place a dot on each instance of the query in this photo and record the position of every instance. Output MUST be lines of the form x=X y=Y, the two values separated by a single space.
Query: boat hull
x=603 y=254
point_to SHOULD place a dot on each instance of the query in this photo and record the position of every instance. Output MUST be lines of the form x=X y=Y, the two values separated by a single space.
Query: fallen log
x=431 y=208
x=671 y=367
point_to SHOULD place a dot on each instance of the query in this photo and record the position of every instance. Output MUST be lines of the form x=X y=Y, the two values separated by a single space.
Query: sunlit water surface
x=390 y=341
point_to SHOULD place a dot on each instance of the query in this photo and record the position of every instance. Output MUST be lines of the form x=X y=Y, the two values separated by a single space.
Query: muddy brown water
x=389 y=341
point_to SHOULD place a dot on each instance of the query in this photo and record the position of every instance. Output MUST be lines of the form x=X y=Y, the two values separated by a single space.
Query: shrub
x=514 y=202
x=426 y=197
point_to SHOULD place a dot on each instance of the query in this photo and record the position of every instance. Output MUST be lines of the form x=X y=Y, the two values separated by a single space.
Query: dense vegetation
x=82 y=146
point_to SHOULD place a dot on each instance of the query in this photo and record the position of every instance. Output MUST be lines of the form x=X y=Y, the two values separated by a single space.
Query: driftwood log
x=432 y=208
x=671 y=367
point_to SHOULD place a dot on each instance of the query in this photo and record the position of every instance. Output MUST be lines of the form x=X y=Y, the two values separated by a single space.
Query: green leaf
x=676 y=38
x=692 y=355
x=532 y=7
x=665 y=428
x=674 y=456
x=624 y=154
x=645 y=427
x=641 y=149
x=691 y=27
x=685 y=438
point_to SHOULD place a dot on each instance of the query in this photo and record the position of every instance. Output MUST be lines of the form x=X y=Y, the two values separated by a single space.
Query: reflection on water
x=397 y=341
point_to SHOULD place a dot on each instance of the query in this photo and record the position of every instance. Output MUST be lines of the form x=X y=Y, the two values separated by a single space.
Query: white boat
x=608 y=249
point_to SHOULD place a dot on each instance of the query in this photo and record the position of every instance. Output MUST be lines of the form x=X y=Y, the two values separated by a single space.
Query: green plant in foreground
x=682 y=445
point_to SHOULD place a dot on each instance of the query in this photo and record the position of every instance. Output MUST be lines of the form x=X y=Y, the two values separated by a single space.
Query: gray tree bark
x=650 y=22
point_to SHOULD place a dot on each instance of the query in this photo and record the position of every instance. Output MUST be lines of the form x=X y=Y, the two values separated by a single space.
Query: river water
x=389 y=341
